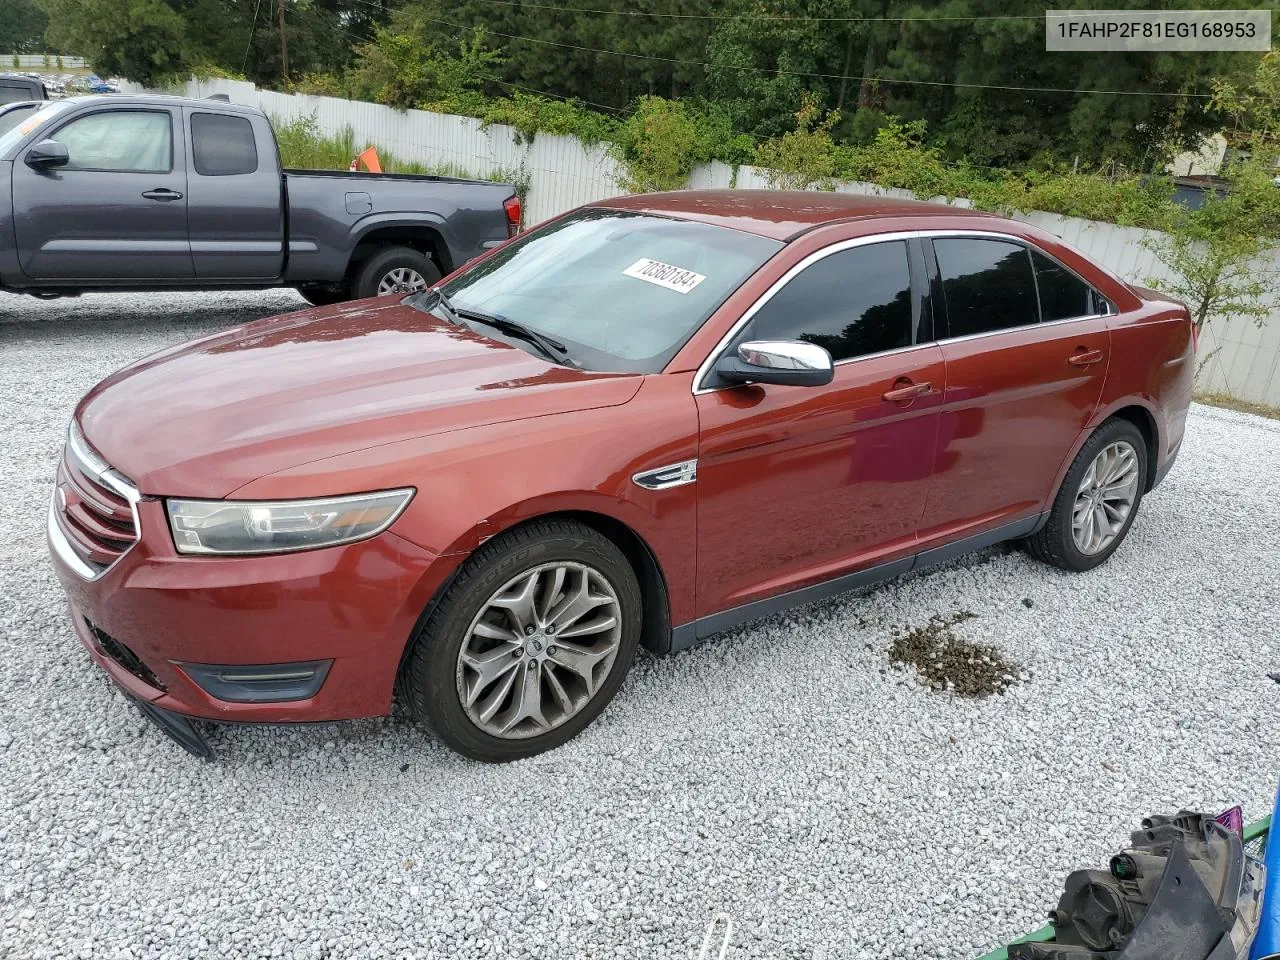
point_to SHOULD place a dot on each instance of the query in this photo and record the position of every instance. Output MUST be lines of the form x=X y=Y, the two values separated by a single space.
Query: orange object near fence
x=370 y=160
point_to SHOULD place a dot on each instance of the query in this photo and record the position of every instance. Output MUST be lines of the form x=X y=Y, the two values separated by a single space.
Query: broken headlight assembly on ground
x=1184 y=889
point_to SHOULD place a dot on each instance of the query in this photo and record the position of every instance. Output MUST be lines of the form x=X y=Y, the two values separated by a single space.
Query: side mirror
x=786 y=362
x=48 y=154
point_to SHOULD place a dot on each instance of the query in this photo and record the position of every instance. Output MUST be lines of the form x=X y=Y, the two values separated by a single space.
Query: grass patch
x=1240 y=406
x=944 y=662
x=304 y=147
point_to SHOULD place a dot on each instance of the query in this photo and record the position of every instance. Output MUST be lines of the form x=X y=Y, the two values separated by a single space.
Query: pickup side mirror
x=786 y=362
x=48 y=154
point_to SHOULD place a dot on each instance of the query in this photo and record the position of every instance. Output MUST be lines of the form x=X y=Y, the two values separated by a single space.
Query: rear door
x=234 y=197
x=118 y=210
x=1019 y=391
x=797 y=485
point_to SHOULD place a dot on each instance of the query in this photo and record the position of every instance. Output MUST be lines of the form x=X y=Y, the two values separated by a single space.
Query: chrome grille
x=93 y=508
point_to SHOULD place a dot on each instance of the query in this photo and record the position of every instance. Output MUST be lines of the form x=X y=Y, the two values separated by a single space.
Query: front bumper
x=154 y=611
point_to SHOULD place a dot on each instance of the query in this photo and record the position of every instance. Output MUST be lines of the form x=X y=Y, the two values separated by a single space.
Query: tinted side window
x=13 y=93
x=126 y=141
x=987 y=284
x=222 y=146
x=853 y=303
x=1063 y=295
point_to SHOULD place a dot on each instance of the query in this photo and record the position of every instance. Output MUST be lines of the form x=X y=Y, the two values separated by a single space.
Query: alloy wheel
x=1105 y=497
x=539 y=650
x=401 y=280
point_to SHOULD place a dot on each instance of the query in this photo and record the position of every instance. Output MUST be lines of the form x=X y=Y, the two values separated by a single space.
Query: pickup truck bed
x=161 y=192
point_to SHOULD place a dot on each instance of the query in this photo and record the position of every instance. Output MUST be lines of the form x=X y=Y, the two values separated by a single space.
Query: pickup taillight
x=515 y=210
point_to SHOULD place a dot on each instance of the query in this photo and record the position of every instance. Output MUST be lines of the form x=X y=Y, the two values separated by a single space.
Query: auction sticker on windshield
x=664 y=275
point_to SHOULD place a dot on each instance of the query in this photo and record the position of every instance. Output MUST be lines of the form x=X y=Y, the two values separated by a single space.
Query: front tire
x=528 y=643
x=394 y=270
x=1098 y=500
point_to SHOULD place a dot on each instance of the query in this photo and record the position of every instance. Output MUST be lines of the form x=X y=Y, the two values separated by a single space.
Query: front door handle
x=163 y=194
x=907 y=393
x=1083 y=358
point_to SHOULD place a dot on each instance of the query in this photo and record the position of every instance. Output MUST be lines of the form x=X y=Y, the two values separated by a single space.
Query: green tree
x=1220 y=255
x=22 y=27
x=143 y=40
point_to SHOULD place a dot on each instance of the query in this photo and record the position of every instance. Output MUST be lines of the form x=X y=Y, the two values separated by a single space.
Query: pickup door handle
x=1083 y=358
x=907 y=392
x=163 y=194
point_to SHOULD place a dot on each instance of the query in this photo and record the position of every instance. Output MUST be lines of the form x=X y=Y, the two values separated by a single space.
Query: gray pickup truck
x=149 y=193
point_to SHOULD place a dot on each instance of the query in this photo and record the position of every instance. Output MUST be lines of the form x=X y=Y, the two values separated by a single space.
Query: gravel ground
x=785 y=773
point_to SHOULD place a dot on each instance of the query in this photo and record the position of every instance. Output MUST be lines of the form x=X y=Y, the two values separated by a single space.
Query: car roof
x=779 y=214
x=163 y=100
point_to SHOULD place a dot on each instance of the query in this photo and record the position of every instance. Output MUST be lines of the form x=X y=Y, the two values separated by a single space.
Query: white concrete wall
x=563 y=172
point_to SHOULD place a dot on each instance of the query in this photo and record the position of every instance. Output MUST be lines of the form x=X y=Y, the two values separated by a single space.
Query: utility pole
x=284 y=45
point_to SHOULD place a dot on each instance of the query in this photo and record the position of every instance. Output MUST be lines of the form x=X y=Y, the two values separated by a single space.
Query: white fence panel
x=35 y=61
x=1237 y=356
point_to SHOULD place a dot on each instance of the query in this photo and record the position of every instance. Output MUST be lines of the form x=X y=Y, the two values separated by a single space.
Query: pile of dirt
x=945 y=662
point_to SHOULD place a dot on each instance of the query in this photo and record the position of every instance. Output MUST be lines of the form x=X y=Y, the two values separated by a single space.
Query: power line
x=826 y=76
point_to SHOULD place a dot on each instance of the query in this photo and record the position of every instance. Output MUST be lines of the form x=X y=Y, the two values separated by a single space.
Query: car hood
x=205 y=418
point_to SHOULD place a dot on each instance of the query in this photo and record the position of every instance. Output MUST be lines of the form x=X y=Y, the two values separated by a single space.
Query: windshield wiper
x=549 y=347
x=426 y=300
x=552 y=349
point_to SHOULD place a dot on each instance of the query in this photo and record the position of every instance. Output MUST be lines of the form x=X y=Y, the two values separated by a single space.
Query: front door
x=1019 y=390
x=117 y=211
x=797 y=485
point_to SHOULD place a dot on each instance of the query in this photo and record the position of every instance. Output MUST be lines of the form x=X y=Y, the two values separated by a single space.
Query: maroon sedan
x=642 y=423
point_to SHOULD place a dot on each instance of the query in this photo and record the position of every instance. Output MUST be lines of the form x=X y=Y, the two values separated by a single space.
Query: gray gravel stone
x=784 y=773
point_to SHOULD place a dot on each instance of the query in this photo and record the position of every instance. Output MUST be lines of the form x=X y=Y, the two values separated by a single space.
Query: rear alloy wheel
x=395 y=270
x=1097 y=501
x=528 y=644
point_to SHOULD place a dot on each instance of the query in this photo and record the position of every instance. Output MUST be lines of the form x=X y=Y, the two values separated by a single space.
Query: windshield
x=11 y=135
x=623 y=291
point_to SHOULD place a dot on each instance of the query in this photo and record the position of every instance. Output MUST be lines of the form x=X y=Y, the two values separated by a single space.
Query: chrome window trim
x=704 y=369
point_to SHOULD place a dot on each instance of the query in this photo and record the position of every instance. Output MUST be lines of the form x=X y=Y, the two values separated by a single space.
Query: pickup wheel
x=394 y=270
x=1097 y=501
x=528 y=643
x=322 y=296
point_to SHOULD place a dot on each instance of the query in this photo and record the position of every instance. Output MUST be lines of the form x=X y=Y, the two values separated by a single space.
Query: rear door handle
x=1083 y=358
x=163 y=194
x=908 y=392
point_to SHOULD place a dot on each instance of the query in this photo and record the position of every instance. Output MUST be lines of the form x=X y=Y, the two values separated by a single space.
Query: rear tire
x=394 y=270
x=1098 y=500
x=537 y=630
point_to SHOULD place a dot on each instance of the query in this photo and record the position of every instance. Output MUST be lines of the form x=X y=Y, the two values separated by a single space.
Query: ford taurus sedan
x=642 y=423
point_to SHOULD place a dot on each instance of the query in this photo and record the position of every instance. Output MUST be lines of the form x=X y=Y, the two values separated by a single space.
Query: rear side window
x=14 y=93
x=853 y=303
x=1063 y=295
x=121 y=141
x=987 y=284
x=222 y=146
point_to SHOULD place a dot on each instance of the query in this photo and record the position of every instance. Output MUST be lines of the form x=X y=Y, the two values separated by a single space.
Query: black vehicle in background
x=15 y=87
x=138 y=192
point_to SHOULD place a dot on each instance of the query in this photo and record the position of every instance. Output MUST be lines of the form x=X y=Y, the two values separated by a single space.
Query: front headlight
x=225 y=526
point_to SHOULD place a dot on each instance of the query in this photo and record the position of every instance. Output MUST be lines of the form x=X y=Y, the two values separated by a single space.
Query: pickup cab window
x=125 y=141
x=222 y=146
